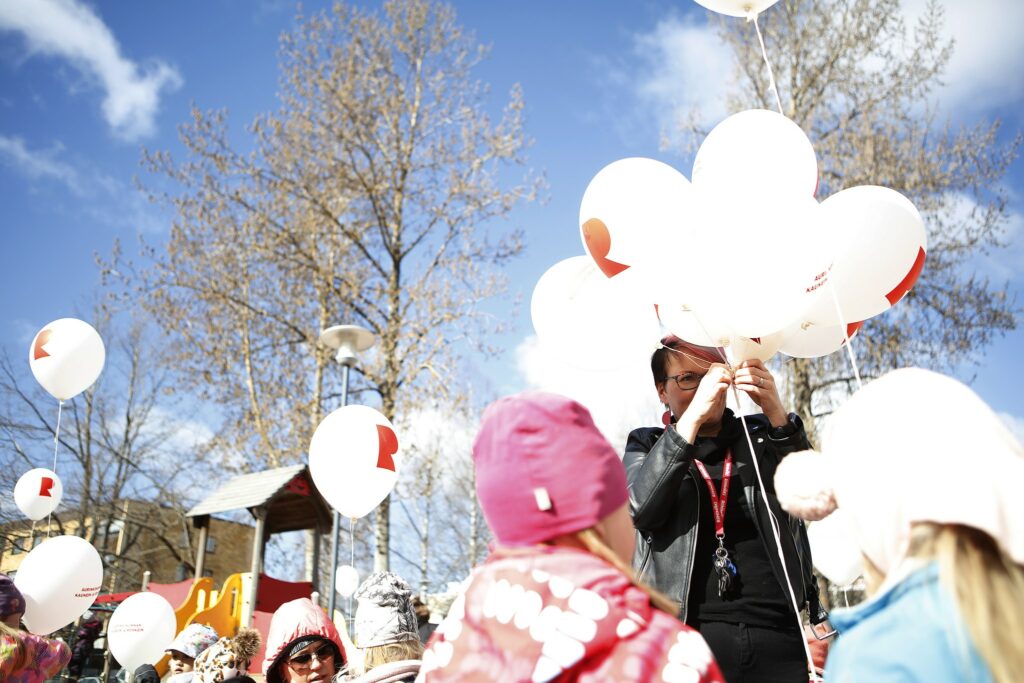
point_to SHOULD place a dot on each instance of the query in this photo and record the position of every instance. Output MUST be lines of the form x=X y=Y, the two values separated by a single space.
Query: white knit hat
x=912 y=446
x=385 y=614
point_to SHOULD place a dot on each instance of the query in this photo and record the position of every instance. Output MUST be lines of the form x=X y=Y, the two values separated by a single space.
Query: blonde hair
x=392 y=652
x=988 y=587
x=592 y=540
x=20 y=654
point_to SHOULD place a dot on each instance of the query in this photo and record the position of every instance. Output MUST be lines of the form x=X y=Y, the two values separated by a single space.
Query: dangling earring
x=666 y=417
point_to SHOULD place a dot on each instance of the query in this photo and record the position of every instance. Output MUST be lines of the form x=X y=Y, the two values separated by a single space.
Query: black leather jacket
x=665 y=492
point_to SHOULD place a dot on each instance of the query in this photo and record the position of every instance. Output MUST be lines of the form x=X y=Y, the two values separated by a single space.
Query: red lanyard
x=718 y=503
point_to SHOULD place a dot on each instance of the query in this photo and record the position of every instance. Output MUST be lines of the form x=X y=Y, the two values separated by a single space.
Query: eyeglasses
x=687 y=381
x=303 y=661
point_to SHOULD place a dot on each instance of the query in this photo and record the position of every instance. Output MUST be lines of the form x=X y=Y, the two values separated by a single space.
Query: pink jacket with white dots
x=558 y=614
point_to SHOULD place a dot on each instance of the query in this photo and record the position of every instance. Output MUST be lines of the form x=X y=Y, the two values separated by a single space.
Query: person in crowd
x=146 y=673
x=704 y=529
x=193 y=640
x=25 y=657
x=386 y=630
x=89 y=629
x=303 y=645
x=936 y=511
x=423 y=622
x=557 y=599
x=228 y=659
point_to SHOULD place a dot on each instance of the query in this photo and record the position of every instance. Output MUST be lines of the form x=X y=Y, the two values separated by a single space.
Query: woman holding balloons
x=704 y=529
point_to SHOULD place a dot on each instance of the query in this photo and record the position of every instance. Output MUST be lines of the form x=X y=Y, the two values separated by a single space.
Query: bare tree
x=442 y=537
x=862 y=86
x=371 y=196
x=119 y=443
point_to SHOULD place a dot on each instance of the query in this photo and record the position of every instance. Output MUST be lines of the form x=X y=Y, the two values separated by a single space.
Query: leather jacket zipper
x=648 y=552
x=693 y=552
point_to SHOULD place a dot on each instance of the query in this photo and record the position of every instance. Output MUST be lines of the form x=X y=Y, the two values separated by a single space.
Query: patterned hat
x=11 y=599
x=228 y=658
x=193 y=639
x=385 y=614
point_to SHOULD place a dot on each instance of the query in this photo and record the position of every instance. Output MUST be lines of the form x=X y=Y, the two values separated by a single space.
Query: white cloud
x=113 y=204
x=182 y=436
x=684 y=66
x=999 y=265
x=71 y=30
x=1015 y=423
x=39 y=164
x=988 y=56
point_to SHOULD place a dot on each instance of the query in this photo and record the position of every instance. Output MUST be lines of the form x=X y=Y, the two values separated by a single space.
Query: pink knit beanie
x=543 y=469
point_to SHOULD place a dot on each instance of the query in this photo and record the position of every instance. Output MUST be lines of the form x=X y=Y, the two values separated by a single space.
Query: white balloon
x=737 y=8
x=750 y=263
x=59 y=579
x=355 y=457
x=346 y=581
x=140 y=629
x=877 y=240
x=38 y=493
x=756 y=153
x=763 y=348
x=66 y=357
x=813 y=341
x=628 y=209
x=588 y=320
x=702 y=327
x=834 y=548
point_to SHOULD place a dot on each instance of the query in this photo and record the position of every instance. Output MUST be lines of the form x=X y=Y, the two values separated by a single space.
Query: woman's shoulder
x=643 y=438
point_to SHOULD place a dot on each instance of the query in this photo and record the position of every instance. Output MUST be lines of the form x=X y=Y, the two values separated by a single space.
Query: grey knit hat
x=385 y=614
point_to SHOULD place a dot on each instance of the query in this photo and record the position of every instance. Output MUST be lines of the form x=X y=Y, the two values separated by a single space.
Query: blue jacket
x=911 y=632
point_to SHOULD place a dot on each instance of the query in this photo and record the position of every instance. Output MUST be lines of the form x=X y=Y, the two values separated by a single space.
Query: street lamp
x=347 y=340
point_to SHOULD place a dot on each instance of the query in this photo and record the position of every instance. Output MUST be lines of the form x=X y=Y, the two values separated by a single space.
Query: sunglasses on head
x=322 y=653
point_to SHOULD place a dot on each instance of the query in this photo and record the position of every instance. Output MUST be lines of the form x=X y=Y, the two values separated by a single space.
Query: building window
x=211 y=544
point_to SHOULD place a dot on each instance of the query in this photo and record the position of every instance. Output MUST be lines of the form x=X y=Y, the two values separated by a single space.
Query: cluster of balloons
x=743 y=257
x=354 y=458
x=62 y=576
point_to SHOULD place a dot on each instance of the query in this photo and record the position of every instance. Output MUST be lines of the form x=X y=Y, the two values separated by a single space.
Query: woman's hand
x=708 y=402
x=753 y=378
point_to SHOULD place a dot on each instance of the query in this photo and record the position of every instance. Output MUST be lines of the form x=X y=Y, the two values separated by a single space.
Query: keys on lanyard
x=724 y=566
x=725 y=569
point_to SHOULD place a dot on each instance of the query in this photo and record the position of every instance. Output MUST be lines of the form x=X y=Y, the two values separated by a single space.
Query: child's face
x=181 y=663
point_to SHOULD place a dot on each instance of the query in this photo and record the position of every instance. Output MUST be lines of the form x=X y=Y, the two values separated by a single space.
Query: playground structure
x=279 y=500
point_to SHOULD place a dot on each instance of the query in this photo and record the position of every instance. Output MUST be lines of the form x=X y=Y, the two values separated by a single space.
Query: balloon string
x=56 y=443
x=846 y=333
x=771 y=515
x=351 y=563
x=771 y=75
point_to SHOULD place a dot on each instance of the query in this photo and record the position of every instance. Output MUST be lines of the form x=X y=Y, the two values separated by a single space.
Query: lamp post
x=347 y=340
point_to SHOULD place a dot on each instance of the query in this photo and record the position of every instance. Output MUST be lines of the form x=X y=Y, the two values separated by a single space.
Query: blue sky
x=83 y=85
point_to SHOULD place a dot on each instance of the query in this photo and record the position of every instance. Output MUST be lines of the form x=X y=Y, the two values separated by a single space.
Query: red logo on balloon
x=37 y=347
x=388 y=447
x=45 y=484
x=599 y=242
x=907 y=282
